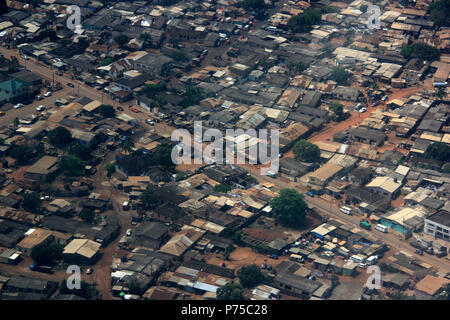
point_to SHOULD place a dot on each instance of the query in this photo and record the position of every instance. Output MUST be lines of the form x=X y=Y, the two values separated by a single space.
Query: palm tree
x=128 y=145
x=440 y=93
x=146 y=38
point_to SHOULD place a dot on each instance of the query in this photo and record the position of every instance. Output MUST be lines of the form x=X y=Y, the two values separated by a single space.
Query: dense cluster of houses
x=207 y=60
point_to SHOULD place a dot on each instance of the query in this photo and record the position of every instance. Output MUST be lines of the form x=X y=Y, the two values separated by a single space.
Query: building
x=42 y=169
x=346 y=93
x=33 y=238
x=81 y=250
x=182 y=241
x=295 y=285
x=368 y=136
x=385 y=186
x=438 y=225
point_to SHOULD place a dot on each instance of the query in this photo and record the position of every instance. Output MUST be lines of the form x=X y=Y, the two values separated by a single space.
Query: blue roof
x=205 y=287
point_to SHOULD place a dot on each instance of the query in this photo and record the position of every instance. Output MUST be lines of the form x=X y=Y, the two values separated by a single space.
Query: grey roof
x=441 y=217
x=297 y=282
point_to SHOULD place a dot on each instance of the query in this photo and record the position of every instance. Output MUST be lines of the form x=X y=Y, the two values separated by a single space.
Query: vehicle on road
x=372 y=260
x=89 y=270
x=40 y=108
x=309 y=193
x=357 y=259
x=48 y=94
x=19 y=105
x=362 y=110
x=39 y=98
x=2 y=113
x=134 y=109
x=365 y=224
x=346 y=210
x=70 y=84
x=44 y=269
x=381 y=228
x=119 y=108
x=419 y=252
x=273 y=256
x=129 y=232
x=149 y=122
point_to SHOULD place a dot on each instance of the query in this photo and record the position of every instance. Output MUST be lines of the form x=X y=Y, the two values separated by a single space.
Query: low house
x=346 y=93
x=438 y=225
x=42 y=169
x=33 y=238
x=295 y=285
x=182 y=241
x=431 y=285
x=368 y=136
x=386 y=186
x=83 y=250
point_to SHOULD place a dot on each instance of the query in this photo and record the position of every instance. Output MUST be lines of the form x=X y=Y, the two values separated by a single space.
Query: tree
x=72 y=165
x=110 y=169
x=107 y=111
x=422 y=51
x=340 y=75
x=127 y=144
x=304 y=21
x=251 y=276
x=48 y=33
x=22 y=153
x=193 y=95
x=87 y=290
x=31 y=201
x=290 y=207
x=257 y=6
x=46 y=253
x=221 y=188
x=148 y=198
x=163 y=155
x=438 y=151
x=298 y=67
x=440 y=12
x=87 y=215
x=152 y=89
x=306 y=151
x=121 y=39
x=81 y=151
x=440 y=93
x=60 y=137
x=230 y=291
x=338 y=111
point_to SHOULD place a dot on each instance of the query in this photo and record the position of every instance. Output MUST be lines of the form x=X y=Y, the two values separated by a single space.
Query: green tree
x=31 y=201
x=163 y=155
x=81 y=151
x=440 y=12
x=71 y=165
x=422 y=51
x=306 y=151
x=87 y=215
x=48 y=33
x=338 y=111
x=298 y=67
x=22 y=153
x=230 y=291
x=304 y=21
x=148 y=198
x=87 y=290
x=110 y=169
x=192 y=96
x=146 y=38
x=251 y=276
x=257 y=6
x=438 y=151
x=106 y=62
x=152 y=89
x=60 y=137
x=221 y=188
x=107 y=111
x=289 y=207
x=127 y=144
x=46 y=253
x=440 y=93
x=121 y=39
x=340 y=75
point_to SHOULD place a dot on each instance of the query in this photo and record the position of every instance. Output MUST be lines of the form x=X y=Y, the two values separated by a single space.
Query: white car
x=362 y=110
x=129 y=232
x=48 y=94
x=149 y=122
x=19 y=105
x=40 y=108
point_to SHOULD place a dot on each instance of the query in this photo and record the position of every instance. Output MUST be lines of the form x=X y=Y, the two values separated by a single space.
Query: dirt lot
x=241 y=257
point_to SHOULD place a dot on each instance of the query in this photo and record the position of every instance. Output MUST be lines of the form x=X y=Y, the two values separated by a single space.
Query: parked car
x=309 y=193
x=39 y=98
x=2 y=113
x=70 y=84
x=419 y=252
x=89 y=270
x=149 y=122
x=19 y=105
x=40 y=108
x=129 y=232
x=273 y=256
x=134 y=109
x=362 y=110
x=48 y=94
x=119 y=108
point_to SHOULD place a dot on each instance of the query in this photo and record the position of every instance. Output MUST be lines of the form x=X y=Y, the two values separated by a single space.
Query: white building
x=438 y=225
